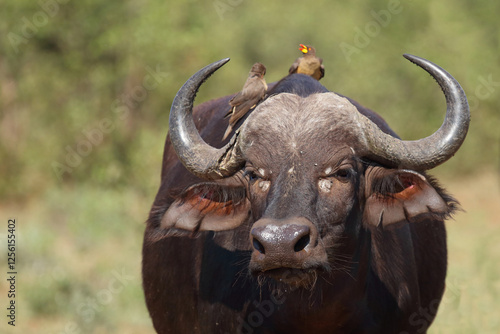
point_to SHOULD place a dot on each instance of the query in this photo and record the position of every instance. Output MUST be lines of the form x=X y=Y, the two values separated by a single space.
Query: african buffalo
x=313 y=218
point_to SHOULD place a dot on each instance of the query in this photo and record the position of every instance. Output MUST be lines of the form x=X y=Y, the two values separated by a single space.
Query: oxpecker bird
x=253 y=91
x=308 y=64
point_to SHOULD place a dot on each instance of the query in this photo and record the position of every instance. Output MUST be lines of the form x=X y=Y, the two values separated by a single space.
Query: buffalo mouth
x=293 y=277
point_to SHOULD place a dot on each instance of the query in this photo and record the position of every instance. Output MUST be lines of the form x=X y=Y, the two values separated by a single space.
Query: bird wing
x=295 y=66
x=229 y=113
x=253 y=91
x=241 y=110
x=237 y=99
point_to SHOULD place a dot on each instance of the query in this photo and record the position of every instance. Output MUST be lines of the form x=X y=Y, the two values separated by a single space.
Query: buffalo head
x=306 y=174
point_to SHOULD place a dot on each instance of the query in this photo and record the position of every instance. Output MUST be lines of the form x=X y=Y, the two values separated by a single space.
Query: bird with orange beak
x=308 y=64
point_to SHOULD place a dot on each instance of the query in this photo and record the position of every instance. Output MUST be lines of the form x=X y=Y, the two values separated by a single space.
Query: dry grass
x=471 y=300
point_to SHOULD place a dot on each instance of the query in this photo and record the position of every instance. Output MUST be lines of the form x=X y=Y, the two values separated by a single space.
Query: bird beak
x=303 y=48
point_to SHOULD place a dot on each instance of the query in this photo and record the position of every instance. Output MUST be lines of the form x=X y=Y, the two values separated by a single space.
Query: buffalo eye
x=257 y=177
x=251 y=175
x=343 y=174
x=255 y=174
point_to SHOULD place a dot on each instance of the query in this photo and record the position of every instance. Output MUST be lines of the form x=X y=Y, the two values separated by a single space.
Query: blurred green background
x=85 y=90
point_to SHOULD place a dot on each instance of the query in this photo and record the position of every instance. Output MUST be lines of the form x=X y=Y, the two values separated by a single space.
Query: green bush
x=67 y=67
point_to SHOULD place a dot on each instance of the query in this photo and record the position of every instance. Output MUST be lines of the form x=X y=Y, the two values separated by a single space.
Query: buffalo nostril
x=302 y=243
x=258 y=246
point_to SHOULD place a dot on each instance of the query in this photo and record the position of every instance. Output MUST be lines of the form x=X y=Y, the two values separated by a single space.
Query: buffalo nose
x=280 y=239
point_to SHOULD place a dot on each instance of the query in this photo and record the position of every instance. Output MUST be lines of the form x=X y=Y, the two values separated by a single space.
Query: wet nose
x=280 y=240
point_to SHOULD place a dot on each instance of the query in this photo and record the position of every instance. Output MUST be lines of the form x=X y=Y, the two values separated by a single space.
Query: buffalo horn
x=429 y=152
x=196 y=155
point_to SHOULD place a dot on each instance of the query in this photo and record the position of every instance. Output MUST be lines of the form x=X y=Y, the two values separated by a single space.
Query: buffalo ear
x=401 y=196
x=207 y=207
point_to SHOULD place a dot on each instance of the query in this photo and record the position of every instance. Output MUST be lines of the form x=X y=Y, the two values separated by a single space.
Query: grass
x=74 y=242
x=470 y=304
x=79 y=256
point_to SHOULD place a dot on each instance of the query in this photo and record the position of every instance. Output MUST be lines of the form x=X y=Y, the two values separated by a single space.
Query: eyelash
x=252 y=176
x=343 y=174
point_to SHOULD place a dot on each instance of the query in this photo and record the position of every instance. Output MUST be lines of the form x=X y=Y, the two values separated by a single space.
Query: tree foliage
x=78 y=104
